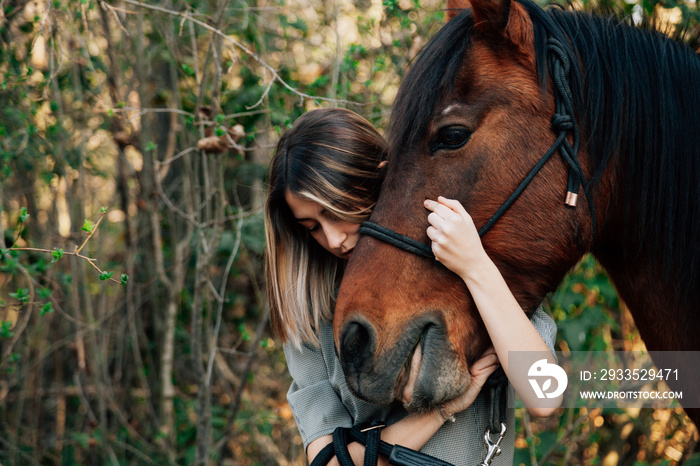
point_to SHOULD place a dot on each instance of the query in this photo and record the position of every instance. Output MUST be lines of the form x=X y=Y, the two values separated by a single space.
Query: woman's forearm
x=508 y=326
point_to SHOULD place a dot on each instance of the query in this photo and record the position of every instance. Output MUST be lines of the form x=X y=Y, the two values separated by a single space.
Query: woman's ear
x=382 y=164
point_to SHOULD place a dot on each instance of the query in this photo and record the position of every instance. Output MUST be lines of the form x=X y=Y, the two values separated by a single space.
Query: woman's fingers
x=433 y=233
x=453 y=204
x=438 y=208
x=463 y=401
x=436 y=220
x=487 y=359
x=480 y=379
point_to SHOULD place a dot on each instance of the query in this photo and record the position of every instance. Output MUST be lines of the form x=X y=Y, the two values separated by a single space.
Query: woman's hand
x=480 y=371
x=455 y=240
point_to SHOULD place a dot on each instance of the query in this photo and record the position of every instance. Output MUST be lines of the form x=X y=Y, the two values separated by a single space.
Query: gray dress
x=321 y=401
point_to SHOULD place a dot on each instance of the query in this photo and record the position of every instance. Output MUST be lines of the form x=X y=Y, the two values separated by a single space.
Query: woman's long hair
x=332 y=157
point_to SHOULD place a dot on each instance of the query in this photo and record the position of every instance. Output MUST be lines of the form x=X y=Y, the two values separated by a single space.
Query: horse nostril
x=356 y=345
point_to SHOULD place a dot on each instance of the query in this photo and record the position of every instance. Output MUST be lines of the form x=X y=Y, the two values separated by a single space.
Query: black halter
x=563 y=123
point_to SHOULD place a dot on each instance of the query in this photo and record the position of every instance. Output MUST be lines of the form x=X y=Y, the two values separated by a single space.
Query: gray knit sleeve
x=316 y=406
x=545 y=326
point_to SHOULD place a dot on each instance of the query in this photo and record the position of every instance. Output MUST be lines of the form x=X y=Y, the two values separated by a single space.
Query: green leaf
x=106 y=275
x=46 y=309
x=103 y=210
x=265 y=428
x=23 y=215
x=44 y=293
x=87 y=226
x=22 y=295
x=57 y=254
x=81 y=438
x=6 y=329
x=245 y=334
x=124 y=278
x=189 y=71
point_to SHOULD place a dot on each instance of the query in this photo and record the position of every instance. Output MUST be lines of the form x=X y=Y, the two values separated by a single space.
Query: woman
x=324 y=181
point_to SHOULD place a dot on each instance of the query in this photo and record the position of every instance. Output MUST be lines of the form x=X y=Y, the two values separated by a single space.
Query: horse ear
x=491 y=16
x=496 y=17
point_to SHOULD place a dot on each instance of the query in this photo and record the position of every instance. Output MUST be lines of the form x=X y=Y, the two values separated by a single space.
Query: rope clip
x=493 y=449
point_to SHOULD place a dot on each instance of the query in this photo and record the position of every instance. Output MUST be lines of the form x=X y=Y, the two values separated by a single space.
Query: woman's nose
x=336 y=237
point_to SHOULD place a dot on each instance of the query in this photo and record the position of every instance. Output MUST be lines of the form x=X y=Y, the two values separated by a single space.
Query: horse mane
x=637 y=95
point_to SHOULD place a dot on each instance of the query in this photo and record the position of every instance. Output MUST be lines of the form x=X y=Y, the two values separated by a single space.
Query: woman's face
x=338 y=237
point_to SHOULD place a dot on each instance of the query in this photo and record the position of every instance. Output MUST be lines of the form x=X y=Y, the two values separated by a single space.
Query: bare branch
x=235 y=44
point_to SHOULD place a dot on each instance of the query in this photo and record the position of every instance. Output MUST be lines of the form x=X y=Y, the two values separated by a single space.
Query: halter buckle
x=493 y=449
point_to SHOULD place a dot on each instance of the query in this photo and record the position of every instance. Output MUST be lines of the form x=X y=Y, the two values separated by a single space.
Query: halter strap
x=396 y=239
x=563 y=122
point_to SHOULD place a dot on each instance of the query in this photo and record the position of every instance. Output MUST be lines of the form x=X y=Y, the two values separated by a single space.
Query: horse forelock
x=431 y=78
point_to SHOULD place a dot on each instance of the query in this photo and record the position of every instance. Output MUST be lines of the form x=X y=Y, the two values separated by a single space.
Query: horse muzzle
x=379 y=371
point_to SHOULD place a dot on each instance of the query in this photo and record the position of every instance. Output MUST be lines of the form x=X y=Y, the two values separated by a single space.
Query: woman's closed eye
x=309 y=225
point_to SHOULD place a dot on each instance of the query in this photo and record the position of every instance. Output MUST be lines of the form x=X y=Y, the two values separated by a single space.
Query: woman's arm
x=456 y=244
x=414 y=430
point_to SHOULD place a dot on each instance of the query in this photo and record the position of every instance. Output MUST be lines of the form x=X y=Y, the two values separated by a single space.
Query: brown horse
x=472 y=118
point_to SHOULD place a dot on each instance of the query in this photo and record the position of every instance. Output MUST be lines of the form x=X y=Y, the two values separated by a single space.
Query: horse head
x=470 y=121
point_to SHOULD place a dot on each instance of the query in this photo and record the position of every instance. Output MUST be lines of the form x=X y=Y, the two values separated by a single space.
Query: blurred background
x=134 y=142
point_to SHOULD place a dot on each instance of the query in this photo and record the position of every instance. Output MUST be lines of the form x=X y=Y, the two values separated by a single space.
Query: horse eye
x=450 y=138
